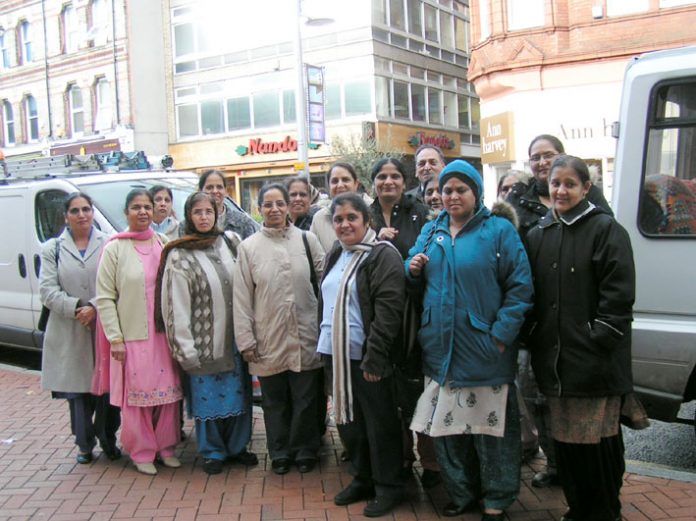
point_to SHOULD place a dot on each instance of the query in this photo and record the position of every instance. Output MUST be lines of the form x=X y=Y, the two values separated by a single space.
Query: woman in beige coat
x=67 y=284
x=275 y=321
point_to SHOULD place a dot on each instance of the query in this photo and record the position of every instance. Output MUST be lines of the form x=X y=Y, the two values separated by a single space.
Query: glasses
x=546 y=156
x=268 y=205
x=84 y=209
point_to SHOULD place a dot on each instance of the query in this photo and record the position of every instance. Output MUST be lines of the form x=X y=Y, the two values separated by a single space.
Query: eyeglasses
x=84 y=209
x=546 y=156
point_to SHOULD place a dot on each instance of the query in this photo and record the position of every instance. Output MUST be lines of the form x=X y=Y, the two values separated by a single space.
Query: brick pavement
x=40 y=480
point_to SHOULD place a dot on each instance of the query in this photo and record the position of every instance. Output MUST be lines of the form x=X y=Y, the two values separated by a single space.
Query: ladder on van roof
x=70 y=164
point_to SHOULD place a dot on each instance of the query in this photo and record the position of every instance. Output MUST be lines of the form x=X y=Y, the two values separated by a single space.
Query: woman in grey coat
x=67 y=285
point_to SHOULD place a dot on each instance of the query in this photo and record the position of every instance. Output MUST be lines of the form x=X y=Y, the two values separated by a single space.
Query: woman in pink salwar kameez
x=141 y=374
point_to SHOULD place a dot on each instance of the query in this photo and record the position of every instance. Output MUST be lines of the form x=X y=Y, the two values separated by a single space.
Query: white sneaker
x=146 y=468
x=171 y=461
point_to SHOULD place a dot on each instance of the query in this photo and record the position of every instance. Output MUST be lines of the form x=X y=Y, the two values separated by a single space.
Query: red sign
x=258 y=146
x=441 y=141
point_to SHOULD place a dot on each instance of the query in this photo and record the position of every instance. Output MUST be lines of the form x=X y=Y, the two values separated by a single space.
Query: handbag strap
x=312 y=273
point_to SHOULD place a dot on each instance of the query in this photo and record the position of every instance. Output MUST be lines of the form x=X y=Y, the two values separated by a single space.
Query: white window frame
x=26 y=47
x=71 y=35
x=484 y=19
x=627 y=7
x=75 y=111
x=98 y=31
x=103 y=118
x=524 y=14
x=30 y=118
x=8 y=121
x=5 y=55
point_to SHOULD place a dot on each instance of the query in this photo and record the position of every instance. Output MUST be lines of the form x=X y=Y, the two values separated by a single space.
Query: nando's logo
x=259 y=146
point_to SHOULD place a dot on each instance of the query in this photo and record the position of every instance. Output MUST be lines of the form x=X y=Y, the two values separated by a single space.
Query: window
x=358 y=99
x=397 y=18
x=184 y=40
x=418 y=102
x=104 y=117
x=446 y=30
x=484 y=19
x=266 y=109
x=401 y=101
x=668 y=201
x=50 y=219
x=4 y=50
x=333 y=101
x=289 y=108
x=100 y=22
x=238 y=113
x=461 y=34
x=8 y=123
x=77 y=111
x=187 y=116
x=475 y=114
x=624 y=7
x=379 y=11
x=70 y=29
x=463 y=111
x=676 y=3
x=31 y=118
x=434 y=106
x=415 y=17
x=382 y=97
x=25 y=45
x=525 y=13
x=212 y=117
x=430 y=22
x=449 y=107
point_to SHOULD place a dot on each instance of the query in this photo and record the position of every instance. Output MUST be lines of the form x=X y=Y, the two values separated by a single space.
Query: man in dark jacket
x=429 y=163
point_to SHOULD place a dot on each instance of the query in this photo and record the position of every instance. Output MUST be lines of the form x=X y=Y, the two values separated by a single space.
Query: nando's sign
x=440 y=140
x=258 y=146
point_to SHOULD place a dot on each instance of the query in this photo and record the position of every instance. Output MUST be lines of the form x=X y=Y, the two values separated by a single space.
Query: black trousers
x=591 y=476
x=289 y=406
x=373 y=439
x=93 y=417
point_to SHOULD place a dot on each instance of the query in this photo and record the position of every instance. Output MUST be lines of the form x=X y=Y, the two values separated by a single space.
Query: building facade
x=393 y=70
x=556 y=67
x=81 y=77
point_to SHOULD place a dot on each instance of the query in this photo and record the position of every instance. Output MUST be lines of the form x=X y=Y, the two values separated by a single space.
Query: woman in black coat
x=580 y=338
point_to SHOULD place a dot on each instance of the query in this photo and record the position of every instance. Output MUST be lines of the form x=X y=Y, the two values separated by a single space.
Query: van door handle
x=22 y=266
x=37 y=264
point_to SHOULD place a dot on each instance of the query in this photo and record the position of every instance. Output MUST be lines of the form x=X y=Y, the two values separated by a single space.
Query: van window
x=668 y=200
x=49 y=219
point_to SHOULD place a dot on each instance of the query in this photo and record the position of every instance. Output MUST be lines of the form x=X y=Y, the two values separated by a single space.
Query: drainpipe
x=113 y=42
x=46 y=77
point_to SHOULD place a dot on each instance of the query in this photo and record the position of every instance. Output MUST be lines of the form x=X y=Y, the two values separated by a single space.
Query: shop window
x=266 y=109
x=418 y=102
x=626 y=7
x=99 y=26
x=382 y=97
x=430 y=14
x=187 y=117
x=358 y=99
x=103 y=119
x=397 y=17
x=70 y=29
x=333 y=101
x=26 y=53
x=5 y=62
x=434 y=106
x=77 y=111
x=415 y=17
x=289 y=109
x=8 y=123
x=668 y=201
x=401 y=100
x=238 y=113
x=212 y=117
x=525 y=13
x=31 y=119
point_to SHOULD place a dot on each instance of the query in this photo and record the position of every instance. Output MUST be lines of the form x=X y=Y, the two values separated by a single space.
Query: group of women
x=197 y=315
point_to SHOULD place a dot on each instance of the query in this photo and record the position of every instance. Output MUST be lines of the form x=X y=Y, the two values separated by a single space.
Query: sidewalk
x=40 y=480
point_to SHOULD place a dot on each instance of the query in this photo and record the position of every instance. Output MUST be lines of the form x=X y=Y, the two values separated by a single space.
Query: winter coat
x=197 y=306
x=478 y=289
x=68 y=351
x=580 y=329
x=381 y=292
x=525 y=199
x=275 y=309
x=408 y=216
x=322 y=225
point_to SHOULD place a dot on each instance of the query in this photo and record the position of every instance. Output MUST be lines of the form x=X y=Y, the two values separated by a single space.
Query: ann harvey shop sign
x=258 y=146
x=497 y=145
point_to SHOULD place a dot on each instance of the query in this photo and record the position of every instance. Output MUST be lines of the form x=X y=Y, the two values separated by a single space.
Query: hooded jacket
x=580 y=329
x=477 y=288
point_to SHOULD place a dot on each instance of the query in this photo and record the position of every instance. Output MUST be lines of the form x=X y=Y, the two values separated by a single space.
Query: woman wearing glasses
x=275 y=323
x=68 y=285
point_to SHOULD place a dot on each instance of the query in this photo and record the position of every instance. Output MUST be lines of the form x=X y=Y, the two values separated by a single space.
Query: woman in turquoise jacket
x=473 y=270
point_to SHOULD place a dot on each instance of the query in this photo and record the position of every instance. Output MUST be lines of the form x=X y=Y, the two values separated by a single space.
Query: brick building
x=556 y=66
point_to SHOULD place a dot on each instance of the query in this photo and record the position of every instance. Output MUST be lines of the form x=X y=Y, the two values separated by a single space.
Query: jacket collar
x=277 y=233
x=576 y=214
x=96 y=241
x=442 y=220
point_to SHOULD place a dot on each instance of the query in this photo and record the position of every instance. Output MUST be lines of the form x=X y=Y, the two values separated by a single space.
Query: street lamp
x=300 y=91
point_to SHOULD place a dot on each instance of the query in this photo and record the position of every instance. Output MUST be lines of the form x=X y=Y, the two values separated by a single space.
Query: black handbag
x=45 y=312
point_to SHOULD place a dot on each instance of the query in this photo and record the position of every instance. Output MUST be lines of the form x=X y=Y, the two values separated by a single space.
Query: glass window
x=475 y=114
x=624 y=7
x=463 y=111
x=104 y=118
x=484 y=20
x=417 y=72
x=434 y=106
x=461 y=34
x=70 y=29
x=333 y=101
x=8 y=121
x=358 y=99
x=418 y=102
x=289 y=109
x=266 y=109
x=77 y=111
x=461 y=7
x=50 y=219
x=212 y=117
x=668 y=201
x=525 y=13
x=100 y=22
x=238 y=113
x=32 y=118
x=379 y=11
x=4 y=50
x=25 y=43
x=401 y=102
x=184 y=39
x=415 y=17
x=397 y=19
x=187 y=116
x=430 y=22
x=400 y=68
x=446 y=30
x=449 y=107
x=382 y=97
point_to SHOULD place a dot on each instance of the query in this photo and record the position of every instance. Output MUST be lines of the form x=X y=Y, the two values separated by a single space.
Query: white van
x=654 y=198
x=31 y=211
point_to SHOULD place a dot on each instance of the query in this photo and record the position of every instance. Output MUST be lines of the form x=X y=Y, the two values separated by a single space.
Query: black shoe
x=281 y=466
x=545 y=479
x=493 y=517
x=454 y=510
x=430 y=478
x=212 y=466
x=381 y=505
x=306 y=465
x=246 y=458
x=113 y=453
x=353 y=493
x=84 y=457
